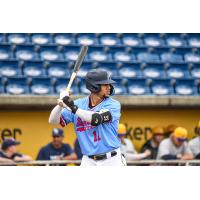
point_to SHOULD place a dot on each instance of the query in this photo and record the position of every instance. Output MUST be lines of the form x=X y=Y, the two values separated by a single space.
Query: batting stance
x=95 y=119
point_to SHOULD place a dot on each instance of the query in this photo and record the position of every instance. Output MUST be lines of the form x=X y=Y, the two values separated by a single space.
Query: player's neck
x=95 y=99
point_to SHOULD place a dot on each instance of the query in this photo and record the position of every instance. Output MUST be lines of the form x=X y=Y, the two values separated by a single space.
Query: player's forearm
x=85 y=115
x=55 y=115
x=187 y=157
x=139 y=156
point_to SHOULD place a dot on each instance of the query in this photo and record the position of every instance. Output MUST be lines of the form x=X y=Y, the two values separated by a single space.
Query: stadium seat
x=82 y=87
x=185 y=87
x=194 y=40
x=130 y=70
x=195 y=71
x=41 y=38
x=64 y=39
x=34 y=69
x=58 y=69
x=171 y=57
x=9 y=68
x=154 y=71
x=17 y=38
x=85 y=67
x=161 y=87
x=148 y=57
x=109 y=39
x=1 y=86
x=110 y=67
x=120 y=87
x=138 y=86
x=87 y=39
x=132 y=40
x=61 y=84
x=178 y=71
x=2 y=38
x=41 y=86
x=16 y=86
x=26 y=52
x=175 y=41
x=153 y=41
x=50 y=53
x=71 y=52
x=192 y=58
x=97 y=54
x=5 y=52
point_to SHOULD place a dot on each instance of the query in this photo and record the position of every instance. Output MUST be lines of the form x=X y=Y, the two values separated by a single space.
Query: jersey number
x=96 y=136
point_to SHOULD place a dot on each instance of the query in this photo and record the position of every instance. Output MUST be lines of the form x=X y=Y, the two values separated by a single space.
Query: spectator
x=176 y=146
x=77 y=149
x=56 y=150
x=127 y=147
x=9 y=153
x=170 y=129
x=194 y=144
x=152 y=144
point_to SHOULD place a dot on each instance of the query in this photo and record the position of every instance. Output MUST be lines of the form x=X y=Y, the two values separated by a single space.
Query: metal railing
x=129 y=163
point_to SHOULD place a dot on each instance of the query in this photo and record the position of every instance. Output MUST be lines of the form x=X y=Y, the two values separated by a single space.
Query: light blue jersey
x=95 y=139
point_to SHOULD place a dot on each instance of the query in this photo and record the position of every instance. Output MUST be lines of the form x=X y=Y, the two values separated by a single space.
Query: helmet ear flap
x=112 y=90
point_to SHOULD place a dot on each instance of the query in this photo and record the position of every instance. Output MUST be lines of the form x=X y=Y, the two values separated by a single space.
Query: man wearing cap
x=9 y=154
x=176 y=146
x=56 y=150
x=127 y=147
x=152 y=144
x=194 y=144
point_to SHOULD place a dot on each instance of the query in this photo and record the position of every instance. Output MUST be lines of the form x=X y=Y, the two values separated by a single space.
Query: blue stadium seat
x=2 y=38
x=5 y=52
x=192 y=57
x=161 y=87
x=110 y=67
x=64 y=39
x=1 y=86
x=132 y=40
x=148 y=57
x=178 y=71
x=58 y=69
x=41 y=38
x=171 y=57
x=87 y=39
x=195 y=71
x=138 y=86
x=120 y=54
x=34 y=69
x=97 y=54
x=154 y=71
x=109 y=39
x=26 y=52
x=17 y=38
x=71 y=52
x=120 y=87
x=82 y=87
x=16 y=86
x=41 y=86
x=50 y=53
x=61 y=84
x=130 y=70
x=185 y=87
x=173 y=41
x=194 y=40
x=85 y=67
x=153 y=41
x=9 y=68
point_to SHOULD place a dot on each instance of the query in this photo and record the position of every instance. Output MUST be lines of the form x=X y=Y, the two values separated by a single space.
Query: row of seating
x=108 y=39
x=100 y=54
x=124 y=70
x=134 y=86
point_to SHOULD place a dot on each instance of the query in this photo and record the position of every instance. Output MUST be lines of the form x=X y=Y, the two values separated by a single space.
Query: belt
x=103 y=156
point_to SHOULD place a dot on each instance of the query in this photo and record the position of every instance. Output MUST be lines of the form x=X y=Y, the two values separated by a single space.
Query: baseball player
x=127 y=147
x=95 y=119
x=194 y=144
x=175 y=147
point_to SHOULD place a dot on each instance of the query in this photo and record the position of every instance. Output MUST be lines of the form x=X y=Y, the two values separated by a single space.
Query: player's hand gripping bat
x=77 y=66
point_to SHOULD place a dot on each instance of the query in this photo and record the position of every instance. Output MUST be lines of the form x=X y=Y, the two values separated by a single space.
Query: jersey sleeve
x=114 y=108
x=68 y=150
x=66 y=117
x=41 y=155
x=163 y=150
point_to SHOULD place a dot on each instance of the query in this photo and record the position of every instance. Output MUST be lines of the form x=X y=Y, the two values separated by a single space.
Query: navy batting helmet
x=95 y=78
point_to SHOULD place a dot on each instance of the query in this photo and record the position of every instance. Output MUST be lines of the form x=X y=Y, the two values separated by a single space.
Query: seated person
x=9 y=154
x=152 y=144
x=56 y=150
x=176 y=146
x=194 y=144
x=127 y=147
x=77 y=150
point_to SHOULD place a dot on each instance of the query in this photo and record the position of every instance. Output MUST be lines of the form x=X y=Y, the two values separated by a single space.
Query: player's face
x=57 y=141
x=105 y=90
x=158 y=138
x=178 y=142
x=13 y=149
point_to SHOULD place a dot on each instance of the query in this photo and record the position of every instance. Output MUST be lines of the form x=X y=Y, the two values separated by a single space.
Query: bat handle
x=73 y=76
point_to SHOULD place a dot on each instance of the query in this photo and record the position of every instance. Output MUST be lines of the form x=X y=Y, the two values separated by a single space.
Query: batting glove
x=70 y=103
